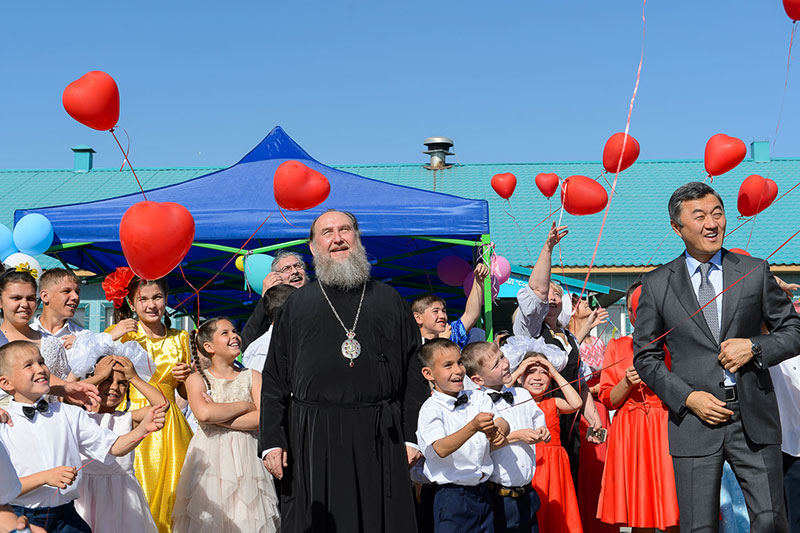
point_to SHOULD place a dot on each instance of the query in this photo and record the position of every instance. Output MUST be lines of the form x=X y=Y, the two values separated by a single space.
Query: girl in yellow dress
x=159 y=457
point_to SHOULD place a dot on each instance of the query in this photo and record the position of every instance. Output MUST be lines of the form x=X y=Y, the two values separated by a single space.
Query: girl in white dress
x=224 y=486
x=111 y=499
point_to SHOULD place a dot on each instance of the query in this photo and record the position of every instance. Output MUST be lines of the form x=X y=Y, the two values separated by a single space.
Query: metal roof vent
x=438 y=149
x=83 y=160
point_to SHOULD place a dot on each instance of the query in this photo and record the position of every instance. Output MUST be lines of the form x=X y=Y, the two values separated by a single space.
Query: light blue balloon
x=256 y=268
x=33 y=234
x=6 y=243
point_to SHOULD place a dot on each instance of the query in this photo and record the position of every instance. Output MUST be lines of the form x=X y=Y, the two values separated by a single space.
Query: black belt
x=730 y=394
x=513 y=492
x=388 y=417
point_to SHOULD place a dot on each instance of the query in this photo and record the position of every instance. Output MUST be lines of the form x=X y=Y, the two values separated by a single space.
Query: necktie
x=507 y=396
x=461 y=400
x=30 y=411
x=705 y=294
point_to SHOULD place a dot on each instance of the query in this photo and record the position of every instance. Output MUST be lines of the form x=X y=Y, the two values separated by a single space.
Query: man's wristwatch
x=756 y=353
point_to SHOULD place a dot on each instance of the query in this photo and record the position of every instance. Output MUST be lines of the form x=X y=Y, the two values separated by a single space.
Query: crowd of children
x=512 y=437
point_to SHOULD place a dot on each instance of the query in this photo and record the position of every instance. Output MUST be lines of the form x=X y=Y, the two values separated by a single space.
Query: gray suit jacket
x=665 y=305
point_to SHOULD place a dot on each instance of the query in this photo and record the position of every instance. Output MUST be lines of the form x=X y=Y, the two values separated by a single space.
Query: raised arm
x=153 y=395
x=539 y=279
x=472 y=311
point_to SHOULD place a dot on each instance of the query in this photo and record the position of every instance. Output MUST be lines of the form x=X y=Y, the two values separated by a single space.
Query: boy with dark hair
x=58 y=433
x=430 y=312
x=255 y=355
x=456 y=431
x=514 y=502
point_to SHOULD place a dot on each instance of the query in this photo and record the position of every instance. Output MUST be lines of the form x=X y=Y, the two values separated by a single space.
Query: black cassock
x=342 y=425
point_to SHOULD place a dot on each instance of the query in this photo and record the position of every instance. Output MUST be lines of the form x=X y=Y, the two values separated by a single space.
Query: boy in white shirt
x=456 y=431
x=45 y=440
x=514 y=502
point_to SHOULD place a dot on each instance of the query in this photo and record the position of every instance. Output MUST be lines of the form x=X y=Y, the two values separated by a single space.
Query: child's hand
x=632 y=376
x=60 y=477
x=598 y=316
x=207 y=398
x=481 y=271
x=447 y=332
x=181 y=371
x=68 y=341
x=155 y=418
x=541 y=434
x=104 y=367
x=549 y=366
x=126 y=366
x=127 y=325
x=498 y=439
x=5 y=418
x=81 y=393
x=484 y=423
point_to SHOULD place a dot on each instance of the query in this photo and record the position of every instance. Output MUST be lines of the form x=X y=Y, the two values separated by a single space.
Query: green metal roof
x=638 y=224
x=636 y=232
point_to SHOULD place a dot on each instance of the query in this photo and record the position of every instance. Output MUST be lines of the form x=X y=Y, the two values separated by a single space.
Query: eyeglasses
x=296 y=266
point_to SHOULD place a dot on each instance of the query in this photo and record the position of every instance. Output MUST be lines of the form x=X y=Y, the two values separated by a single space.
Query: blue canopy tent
x=406 y=231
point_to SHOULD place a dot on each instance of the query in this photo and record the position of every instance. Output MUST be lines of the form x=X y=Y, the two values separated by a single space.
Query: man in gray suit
x=719 y=391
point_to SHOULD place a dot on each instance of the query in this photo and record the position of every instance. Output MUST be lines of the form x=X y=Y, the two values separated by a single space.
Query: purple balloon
x=451 y=270
x=469 y=279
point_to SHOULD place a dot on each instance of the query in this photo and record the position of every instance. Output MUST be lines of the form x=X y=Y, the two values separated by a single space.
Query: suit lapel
x=681 y=286
x=732 y=270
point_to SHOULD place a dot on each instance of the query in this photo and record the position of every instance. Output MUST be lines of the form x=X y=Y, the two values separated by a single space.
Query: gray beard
x=349 y=274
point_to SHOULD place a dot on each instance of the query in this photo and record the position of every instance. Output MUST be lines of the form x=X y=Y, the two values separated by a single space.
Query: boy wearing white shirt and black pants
x=514 y=501
x=46 y=440
x=456 y=431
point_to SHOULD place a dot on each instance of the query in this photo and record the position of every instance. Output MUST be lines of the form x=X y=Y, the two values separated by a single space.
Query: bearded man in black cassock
x=334 y=390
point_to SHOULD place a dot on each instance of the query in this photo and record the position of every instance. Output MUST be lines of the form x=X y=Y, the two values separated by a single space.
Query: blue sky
x=365 y=82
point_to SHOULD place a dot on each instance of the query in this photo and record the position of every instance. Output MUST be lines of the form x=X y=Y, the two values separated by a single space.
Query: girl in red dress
x=638 y=488
x=552 y=481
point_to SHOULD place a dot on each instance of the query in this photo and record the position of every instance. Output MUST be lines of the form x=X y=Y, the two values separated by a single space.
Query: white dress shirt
x=786 y=379
x=515 y=464
x=9 y=481
x=469 y=465
x=52 y=439
x=715 y=277
x=255 y=355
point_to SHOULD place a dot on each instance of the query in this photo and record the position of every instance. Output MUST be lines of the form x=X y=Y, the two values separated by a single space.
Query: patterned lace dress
x=224 y=486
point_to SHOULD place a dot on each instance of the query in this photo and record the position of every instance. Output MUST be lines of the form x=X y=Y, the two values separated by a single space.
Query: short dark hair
x=429 y=349
x=274 y=299
x=421 y=303
x=691 y=191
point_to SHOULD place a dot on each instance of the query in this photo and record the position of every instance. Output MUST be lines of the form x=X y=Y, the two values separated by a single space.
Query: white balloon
x=25 y=263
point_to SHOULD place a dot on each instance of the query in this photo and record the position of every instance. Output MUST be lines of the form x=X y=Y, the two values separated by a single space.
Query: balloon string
x=603 y=172
x=129 y=163
x=519 y=229
x=236 y=254
x=622 y=152
x=127 y=147
x=195 y=291
x=649 y=261
x=785 y=85
x=284 y=218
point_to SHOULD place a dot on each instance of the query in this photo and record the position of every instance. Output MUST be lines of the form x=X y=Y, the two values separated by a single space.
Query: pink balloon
x=451 y=270
x=504 y=268
x=470 y=279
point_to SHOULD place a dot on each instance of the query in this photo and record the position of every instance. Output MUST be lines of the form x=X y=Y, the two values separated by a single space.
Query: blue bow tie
x=42 y=406
x=461 y=400
x=507 y=396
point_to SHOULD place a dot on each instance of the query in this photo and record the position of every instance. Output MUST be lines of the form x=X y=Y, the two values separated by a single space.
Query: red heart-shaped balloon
x=298 y=187
x=613 y=149
x=723 y=153
x=582 y=196
x=634 y=303
x=739 y=251
x=155 y=237
x=792 y=8
x=755 y=195
x=504 y=184
x=547 y=183
x=93 y=100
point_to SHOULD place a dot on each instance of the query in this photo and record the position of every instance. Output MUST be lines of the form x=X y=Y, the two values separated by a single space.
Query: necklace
x=351 y=348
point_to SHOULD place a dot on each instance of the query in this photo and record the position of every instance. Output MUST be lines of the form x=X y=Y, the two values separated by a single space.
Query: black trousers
x=61 y=519
x=791 y=487
x=758 y=468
